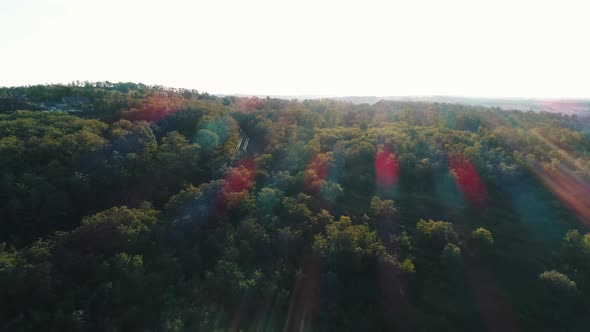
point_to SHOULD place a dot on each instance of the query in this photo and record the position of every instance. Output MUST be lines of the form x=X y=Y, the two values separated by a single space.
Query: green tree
x=436 y=234
x=451 y=255
x=481 y=240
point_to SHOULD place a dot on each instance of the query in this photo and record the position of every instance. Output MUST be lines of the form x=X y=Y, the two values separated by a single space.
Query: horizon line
x=320 y=95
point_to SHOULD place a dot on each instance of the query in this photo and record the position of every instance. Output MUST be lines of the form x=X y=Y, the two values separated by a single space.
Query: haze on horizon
x=338 y=48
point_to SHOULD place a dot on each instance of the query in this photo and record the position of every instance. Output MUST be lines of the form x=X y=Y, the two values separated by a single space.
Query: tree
x=558 y=299
x=557 y=283
x=481 y=240
x=119 y=229
x=207 y=139
x=483 y=236
x=382 y=208
x=268 y=200
x=436 y=234
x=348 y=245
x=451 y=255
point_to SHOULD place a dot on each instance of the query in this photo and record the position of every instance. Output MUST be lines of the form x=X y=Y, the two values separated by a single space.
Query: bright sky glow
x=499 y=48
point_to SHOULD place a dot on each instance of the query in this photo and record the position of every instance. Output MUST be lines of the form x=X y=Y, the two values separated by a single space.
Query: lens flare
x=571 y=190
x=316 y=172
x=156 y=107
x=562 y=178
x=304 y=302
x=468 y=180
x=496 y=311
x=394 y=300
x=237 y=181
x=248 y=103
x=386 y=167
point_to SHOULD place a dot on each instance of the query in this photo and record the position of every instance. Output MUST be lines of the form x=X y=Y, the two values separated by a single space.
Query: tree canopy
x=128 y=207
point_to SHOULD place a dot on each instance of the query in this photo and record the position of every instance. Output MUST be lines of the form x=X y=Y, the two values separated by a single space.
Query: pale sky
x=495 y=48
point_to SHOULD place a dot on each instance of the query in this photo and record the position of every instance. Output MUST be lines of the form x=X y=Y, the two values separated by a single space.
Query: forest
x=133 y=207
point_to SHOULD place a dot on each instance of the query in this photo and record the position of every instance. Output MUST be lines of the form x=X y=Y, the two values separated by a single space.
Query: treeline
x=172 y=210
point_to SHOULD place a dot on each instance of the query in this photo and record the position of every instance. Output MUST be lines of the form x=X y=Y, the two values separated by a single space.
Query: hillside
x=128 y=207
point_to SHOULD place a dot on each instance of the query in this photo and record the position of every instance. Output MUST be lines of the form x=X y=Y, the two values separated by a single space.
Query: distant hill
x=566 y=106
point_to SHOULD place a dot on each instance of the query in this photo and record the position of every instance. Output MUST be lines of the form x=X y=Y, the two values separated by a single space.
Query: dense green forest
x=144 y=208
